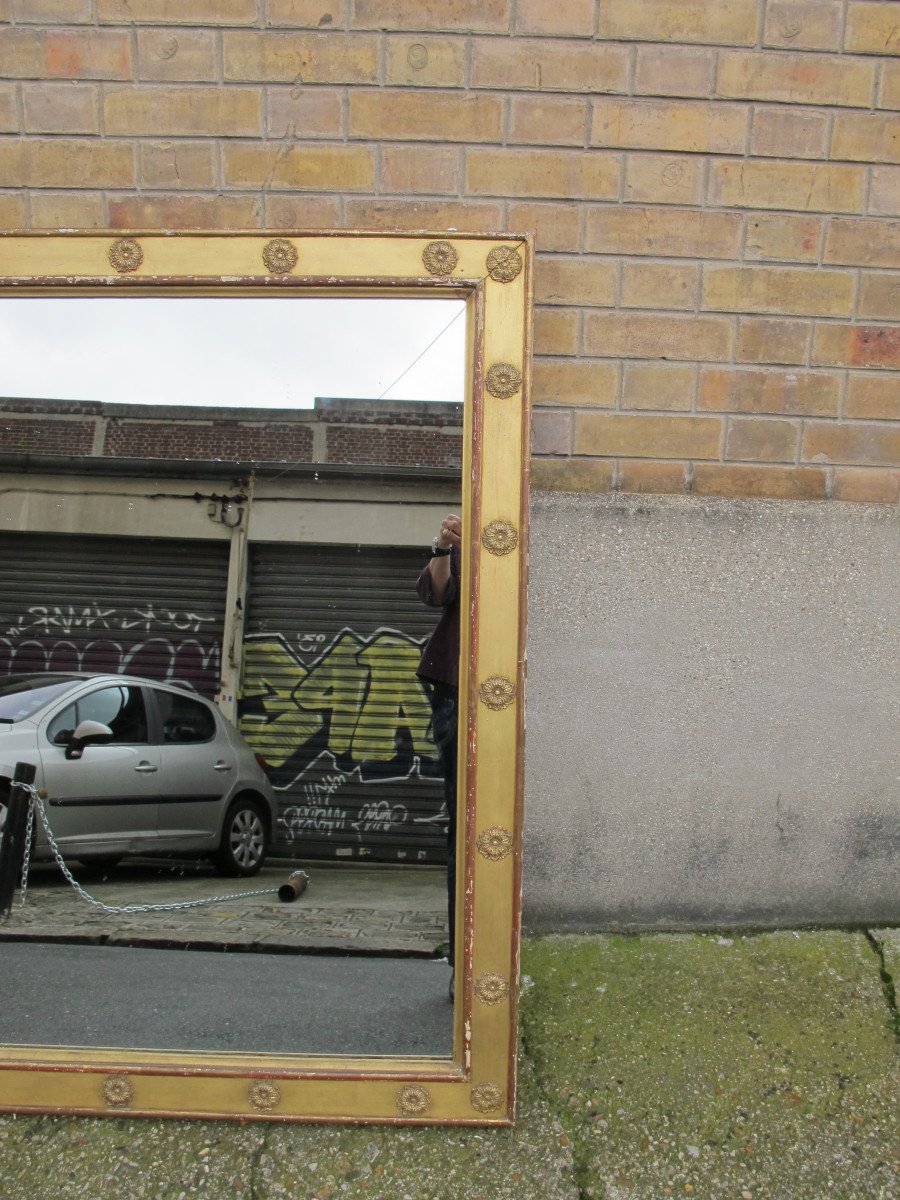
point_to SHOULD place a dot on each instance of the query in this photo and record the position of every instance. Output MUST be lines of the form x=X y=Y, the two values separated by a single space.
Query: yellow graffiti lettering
x=337 y=684
x=394 y=700
x=273 y=725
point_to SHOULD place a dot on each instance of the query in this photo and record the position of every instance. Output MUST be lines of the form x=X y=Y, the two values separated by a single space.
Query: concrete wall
x=712 y=713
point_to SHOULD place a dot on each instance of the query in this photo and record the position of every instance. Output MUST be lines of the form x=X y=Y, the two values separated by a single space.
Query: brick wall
x=714 y=189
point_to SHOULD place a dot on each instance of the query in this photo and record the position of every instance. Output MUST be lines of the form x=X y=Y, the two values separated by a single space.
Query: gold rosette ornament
x=487 y=1097
x=491 y=988
x=413 y=1101
x=125 y=255
x=118 y=1092
x=263 y=1094
x=494 y=843
x=280 y=256
x=503 y=380
x=497 y=692
x=439 y=258
x=504 y=264
x=500 y=537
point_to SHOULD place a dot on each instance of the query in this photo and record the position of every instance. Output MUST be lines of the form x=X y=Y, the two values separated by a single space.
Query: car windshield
x=23 y=695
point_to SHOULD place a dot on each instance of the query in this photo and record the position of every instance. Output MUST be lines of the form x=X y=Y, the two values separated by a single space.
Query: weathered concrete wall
x=712 y=704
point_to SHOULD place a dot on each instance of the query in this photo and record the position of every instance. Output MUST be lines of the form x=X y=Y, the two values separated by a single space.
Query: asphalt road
x=120 y=996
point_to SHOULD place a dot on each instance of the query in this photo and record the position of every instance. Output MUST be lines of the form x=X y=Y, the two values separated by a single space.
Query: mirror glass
x=235 y=495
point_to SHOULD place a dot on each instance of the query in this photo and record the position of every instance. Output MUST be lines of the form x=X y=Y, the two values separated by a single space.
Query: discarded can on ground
x=295 y=886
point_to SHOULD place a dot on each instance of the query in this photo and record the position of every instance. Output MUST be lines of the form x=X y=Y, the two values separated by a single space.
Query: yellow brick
x=418 y=169
x=555 y=226
x=772 y=340
x=670 y=125
x=183 y=111
x=64 y=163
x=656 y=478
x=573 y=18
x=548 y=120
x=12 y=210
x=660 y=285
x=426 y=61
x=477 y=16
x=177 y=55
x=551 y=432
x=856 y=346
x=872 y=28
x=60 y=108
x=436 y=116
x=305 y=112
x=812 y=292
x=777 y=483
x=673 y=71
x=183 y=212
x=556 y=331
x=867 y=485
x=51 y=12
x=615 y=434
x=571 y=475
x=664 y=178
x=308 y=168
x=175 y=165
x=176 y=12
x=679 y=233
x=658 y=386
x=550 y=66
x=570 y=281
x=628 y=335
x=710 y=21
x=301 y=58
x=890 y=85
x=578 y=382
x=783 y=237
x=542 y=173
x=879 y=298
x=884 y=191
x=862 y=243
x=790 y=393
x=866 y=445
x=805 y=187
x=795 y=78
x=64 y=54
x=866 y=137
x=803 y=24
x=306 y=14
x=468 y=215
x=872 y=397
x=302 y=212
x=789 y=133
x=67 y=210
x=754 y=439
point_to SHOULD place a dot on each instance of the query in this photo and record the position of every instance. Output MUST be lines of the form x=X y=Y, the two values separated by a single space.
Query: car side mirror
x=87 y=733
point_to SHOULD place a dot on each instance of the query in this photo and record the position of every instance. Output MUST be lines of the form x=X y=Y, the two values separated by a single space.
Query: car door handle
x=222 y=766
x=146 y=768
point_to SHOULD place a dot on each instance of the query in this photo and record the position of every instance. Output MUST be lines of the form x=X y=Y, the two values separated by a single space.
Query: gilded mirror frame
x=493 y=273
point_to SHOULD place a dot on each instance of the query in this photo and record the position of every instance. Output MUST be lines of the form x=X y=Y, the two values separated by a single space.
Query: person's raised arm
x=439 y=566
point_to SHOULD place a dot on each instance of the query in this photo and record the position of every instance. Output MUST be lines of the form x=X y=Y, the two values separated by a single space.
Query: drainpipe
x=238 y=518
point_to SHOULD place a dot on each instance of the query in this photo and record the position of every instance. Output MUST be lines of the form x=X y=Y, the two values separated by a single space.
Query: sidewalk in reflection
x=345 y=909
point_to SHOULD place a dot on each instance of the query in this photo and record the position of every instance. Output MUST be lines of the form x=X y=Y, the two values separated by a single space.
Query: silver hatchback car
x=131 y=766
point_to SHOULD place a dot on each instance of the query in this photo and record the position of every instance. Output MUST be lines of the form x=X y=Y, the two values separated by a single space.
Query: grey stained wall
x=712 y=713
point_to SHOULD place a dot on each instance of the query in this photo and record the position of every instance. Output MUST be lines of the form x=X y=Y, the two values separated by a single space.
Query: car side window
x=121 y=708
x=185 y=720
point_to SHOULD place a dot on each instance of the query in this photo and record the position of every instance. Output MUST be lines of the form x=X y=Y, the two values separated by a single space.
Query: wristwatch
x=436 y=551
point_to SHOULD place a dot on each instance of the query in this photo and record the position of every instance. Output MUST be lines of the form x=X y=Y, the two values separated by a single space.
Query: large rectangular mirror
x=235 y=465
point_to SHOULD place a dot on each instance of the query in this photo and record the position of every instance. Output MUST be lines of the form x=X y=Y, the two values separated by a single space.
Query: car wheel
x=242 y=850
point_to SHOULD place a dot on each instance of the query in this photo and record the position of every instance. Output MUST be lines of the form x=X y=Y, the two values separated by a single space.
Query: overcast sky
x=265 y=352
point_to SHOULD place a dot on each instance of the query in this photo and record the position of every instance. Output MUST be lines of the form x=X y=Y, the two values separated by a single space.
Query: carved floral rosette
x=413 y=1100
x=125 y=254
x=486 y=1097
x=500 y=537
x=491 y=988
x=504 y=264
x=263 y=1094
x=439 y=258
x=280 y=256
x=497 y=692
x=503 y=380
x=494 y=843
x=118 y=1091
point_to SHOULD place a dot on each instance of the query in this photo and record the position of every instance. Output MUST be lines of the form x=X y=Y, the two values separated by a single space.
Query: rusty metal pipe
x=296 y=885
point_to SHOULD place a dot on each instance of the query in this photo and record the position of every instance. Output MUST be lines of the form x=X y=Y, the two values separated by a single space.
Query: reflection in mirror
x=237 y=496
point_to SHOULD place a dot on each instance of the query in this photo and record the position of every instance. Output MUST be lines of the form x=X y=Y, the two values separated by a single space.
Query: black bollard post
x=12 y=850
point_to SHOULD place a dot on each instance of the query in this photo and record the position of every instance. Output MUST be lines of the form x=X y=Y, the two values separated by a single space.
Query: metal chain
x=122 y=908
x=29 y=831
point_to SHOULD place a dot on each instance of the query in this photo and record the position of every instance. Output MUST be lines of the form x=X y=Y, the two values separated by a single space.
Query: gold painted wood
x=476 y=1085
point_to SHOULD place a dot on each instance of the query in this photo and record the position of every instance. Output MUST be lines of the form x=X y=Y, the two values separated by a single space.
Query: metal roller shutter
x=331 y=699
x=141 y=606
